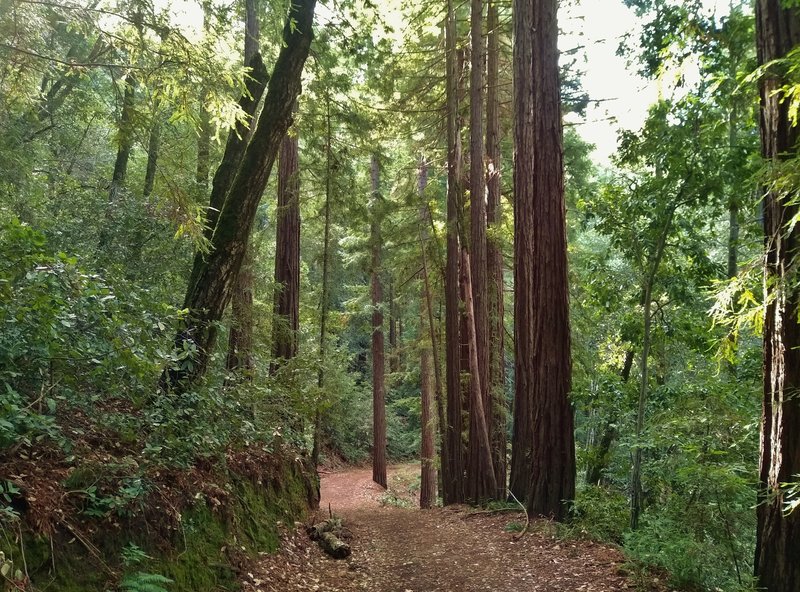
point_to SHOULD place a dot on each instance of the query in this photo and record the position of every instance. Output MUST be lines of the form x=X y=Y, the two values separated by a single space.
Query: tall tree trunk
x=778 y=534
x=394 y=357
x=429 y=365
x=541 y=295
x=494 y=262
x=477 y=243
x=481 y=486
x=378 y=369
x=323 y=305
x=427 y=495
x=286 y=310
x=453 y=468
x=213 y=273
x=240 y=337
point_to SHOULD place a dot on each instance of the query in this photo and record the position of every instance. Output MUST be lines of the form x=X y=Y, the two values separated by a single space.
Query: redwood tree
x=427 y=490
x=453 y=465
x=478 y=271
x=777 y=560
x=286 y=311
x=378 y=354
x=544 y=445
x=494 y=256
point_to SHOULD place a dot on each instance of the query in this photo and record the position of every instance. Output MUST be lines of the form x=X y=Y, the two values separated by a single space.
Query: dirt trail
x=404 y=549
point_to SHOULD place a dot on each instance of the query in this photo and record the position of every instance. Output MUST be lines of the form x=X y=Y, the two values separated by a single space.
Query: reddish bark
x=378 y=354
x=544 y=434
x=778 y=535
x=452 y=465
x=286 y=305
x=481 y=484
x=494 y=263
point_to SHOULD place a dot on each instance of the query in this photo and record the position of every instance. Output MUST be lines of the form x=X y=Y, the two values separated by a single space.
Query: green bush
x=599 y=514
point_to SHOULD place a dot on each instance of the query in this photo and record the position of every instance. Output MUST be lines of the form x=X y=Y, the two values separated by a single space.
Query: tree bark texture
x=427 y=493
x=494 y=257
x=544 y=435
x=453 y=465
x=252 y=31
x=429 y=363
x=214 y=273
x=477 y=208
x=240 y=338
x=286 y=309
x=481 y=485
x=778 y=536
x=378 y=353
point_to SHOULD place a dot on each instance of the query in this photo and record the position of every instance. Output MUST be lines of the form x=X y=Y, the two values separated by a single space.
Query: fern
x=144 y=582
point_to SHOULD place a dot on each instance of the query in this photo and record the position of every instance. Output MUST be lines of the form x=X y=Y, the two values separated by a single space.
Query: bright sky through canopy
x=623 y=96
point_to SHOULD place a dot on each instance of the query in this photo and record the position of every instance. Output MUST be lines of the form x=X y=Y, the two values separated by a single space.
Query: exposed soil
x=404 y=549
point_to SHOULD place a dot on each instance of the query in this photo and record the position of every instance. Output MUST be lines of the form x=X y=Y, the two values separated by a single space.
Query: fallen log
x=334 y=546
x=333 y=525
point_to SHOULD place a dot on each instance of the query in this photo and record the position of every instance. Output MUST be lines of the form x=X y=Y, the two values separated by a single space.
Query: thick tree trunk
x=494 y=261
x=541 y=304
x=477 y=243
x=778 y=535
x=453 y=467
x=478 y=259
x=378 y=354
x=286 y=309
x=240 y=360
x=214 y=273
x=481 y=485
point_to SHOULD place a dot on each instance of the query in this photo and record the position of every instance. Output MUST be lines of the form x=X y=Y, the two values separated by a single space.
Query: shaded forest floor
x=399 y=548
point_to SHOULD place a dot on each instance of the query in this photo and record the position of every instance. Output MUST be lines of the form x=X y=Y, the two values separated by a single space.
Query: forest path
x=404 y=549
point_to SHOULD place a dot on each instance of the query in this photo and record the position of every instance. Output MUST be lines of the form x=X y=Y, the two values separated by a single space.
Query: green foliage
x=144 y=582
x=599 y=514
